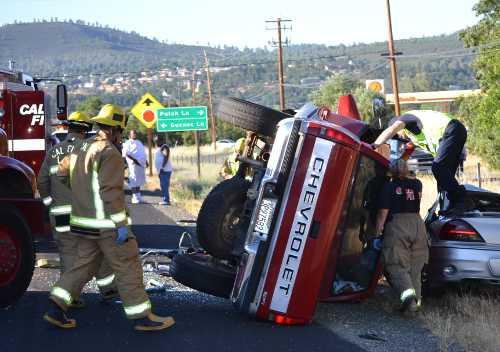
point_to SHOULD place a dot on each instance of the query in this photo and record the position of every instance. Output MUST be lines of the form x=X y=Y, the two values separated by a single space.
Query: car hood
x=487 y=226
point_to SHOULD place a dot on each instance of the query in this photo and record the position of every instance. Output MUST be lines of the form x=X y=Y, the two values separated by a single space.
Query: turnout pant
x=124 y=262
x=447 y=160
x=67 y=245
x=405 y=251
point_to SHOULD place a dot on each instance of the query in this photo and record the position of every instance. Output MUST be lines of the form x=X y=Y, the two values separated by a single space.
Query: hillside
x=52 y=48
x=116 y=60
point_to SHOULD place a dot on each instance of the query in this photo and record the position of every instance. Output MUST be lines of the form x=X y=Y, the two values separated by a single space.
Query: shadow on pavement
x=159 y=236
x=203 y=323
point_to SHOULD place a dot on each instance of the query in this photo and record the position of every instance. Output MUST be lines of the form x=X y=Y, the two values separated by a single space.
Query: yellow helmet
x=111 y=115
x=239 y=145
x=78 y=116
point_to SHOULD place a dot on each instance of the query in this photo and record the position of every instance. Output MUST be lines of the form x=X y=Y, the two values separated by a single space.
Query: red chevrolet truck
x=295 y=225
x=24 y=132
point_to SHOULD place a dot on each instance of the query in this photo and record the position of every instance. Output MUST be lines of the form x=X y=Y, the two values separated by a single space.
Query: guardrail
x=204 y=159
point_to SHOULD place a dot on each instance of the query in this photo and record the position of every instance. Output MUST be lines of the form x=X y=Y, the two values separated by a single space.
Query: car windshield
x=483 y=202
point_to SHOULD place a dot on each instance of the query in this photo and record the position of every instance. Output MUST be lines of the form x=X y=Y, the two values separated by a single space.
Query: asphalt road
x=204 y=323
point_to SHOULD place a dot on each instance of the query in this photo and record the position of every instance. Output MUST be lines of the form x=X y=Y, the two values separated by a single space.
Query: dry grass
x=469 y=319
x=186 y=189
x=191 y=150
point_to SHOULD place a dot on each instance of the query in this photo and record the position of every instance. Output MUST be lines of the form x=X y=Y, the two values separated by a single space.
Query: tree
x=328 y=95
x=90 y=105
x=482 y=114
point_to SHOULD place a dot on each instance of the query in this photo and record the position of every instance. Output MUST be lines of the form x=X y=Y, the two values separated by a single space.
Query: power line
x=439 y=55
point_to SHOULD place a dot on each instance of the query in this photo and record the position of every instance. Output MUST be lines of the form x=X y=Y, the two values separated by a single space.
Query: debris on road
x=48 y=263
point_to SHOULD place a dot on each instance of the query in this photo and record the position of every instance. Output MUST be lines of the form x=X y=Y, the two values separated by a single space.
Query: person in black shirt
x=404 y=247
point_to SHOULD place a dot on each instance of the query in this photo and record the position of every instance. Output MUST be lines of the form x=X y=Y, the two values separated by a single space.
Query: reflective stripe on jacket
x=433 y=125
x=96 y=177
x=53 y=183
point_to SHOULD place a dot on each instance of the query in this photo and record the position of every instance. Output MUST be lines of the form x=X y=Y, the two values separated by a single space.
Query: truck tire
x=17 y=255
x=219 y=216
x=250 y=116
x=202 y=273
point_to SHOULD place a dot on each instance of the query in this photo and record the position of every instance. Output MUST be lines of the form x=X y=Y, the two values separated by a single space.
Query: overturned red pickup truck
x=294 y=226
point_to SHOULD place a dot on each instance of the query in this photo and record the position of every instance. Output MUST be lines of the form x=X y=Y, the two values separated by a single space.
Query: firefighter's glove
x=122 y=235
x=377 y=244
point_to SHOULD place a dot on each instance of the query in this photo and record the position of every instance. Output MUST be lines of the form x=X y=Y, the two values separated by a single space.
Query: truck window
x=355 y=264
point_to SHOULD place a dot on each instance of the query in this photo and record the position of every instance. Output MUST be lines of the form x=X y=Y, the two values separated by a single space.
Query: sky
x=242 y=23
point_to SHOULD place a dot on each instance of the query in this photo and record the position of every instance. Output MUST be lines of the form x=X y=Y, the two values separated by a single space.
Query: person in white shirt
x=164 y=169
x=134 y=153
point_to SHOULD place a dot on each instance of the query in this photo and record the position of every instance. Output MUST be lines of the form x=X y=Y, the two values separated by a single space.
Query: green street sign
x=188 y=118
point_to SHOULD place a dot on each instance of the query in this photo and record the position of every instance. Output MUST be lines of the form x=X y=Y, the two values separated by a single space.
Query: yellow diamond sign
x=145 y=110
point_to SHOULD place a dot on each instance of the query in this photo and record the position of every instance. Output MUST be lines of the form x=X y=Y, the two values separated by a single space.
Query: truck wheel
x=201 y=272
x=220 y=215
x=17 y=256
x=250 y=116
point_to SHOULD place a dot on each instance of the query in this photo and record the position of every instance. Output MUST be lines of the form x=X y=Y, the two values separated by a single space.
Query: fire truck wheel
x=249 y=116
x=17 y=255
x=203 y=273
x=219 y=217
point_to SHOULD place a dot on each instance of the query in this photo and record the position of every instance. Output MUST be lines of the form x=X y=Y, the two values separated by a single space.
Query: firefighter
x=404 y=246
x=441 y=136
x=56 y=194
x=231 y=164
x=99 y=222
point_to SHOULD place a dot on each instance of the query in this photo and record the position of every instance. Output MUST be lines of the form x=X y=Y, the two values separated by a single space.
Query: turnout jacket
x=53 y=185
x=96 y=178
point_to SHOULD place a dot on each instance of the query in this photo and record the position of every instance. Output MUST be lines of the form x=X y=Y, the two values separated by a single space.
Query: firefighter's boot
x=77 y=303
x=153 y=322
x=409 y=301
x=57 y=317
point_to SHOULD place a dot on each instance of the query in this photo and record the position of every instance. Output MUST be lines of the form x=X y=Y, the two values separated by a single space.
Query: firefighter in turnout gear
x=441 y=136
x=404 y=246
x=99 y=222
x=56 y=195
x=231 y=164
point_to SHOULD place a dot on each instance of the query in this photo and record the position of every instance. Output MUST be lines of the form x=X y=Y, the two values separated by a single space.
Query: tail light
x=459 y=230
x=284 y=320
x=2 y=109
x=409 y=149
x=343 y=136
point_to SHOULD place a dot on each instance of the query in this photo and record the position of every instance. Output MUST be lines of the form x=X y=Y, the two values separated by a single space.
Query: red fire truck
x=24 y=132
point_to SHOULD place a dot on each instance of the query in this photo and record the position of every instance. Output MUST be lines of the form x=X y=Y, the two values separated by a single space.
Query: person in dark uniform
x=439 y=135
x=404 y=246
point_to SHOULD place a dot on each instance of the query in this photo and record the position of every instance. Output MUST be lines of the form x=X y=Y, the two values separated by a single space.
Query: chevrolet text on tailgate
x=292 y=225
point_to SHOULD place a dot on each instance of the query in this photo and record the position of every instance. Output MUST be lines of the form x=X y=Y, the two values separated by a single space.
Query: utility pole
x=196 y=133
x=210 y=105
x=392 y=58
x=279 y=44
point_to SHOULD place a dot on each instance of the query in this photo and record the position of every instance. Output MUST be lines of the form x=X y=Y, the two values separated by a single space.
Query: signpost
x=189 y=118
x=145 y=111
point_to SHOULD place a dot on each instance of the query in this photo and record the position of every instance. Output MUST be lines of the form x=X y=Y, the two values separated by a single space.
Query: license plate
x=265 y=216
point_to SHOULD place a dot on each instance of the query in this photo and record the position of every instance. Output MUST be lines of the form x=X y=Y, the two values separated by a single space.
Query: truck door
x=356 y=266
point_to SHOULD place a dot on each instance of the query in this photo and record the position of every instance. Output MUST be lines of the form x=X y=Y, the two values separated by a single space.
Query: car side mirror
x=62 y=102
x=379 y=109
